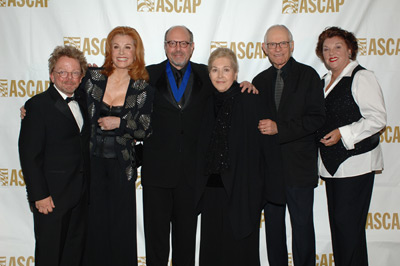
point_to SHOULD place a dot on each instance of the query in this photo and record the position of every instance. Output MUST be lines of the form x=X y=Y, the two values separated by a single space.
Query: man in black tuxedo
x=294 y=100
x=54 y=156
x=182 y=88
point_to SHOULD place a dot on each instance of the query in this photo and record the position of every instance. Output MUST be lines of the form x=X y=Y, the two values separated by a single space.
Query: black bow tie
x=68 y=99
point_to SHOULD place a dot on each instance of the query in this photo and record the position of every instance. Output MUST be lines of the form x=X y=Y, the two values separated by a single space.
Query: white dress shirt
x=74 y=107
x=368 y=95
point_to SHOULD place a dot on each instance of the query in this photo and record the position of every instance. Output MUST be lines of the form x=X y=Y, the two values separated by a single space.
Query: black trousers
x=218 y=244
x=112 y=216
x=60 y=235
x=348 y=205
x=300 y=202
x=165 y=209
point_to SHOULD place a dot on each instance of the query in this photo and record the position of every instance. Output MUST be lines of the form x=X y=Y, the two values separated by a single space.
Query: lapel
x=269 y=97
x=80 y=97
x=61 y=105
x=196 y=87
x=290 y=85
x=162 y=85
x=163 y=89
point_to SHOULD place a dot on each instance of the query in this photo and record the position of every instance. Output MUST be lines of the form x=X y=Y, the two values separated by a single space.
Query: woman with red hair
x=349 y=150
x=119 y=104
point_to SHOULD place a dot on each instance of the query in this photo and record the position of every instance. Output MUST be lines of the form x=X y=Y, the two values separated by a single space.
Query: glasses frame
x=182 y=44
x=273 y=45
x=65 y=74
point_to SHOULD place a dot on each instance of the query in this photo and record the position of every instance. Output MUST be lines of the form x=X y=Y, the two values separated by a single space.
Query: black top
x=105 y=147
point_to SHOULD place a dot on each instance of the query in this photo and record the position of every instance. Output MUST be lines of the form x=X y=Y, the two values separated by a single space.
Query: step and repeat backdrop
x=30 y=29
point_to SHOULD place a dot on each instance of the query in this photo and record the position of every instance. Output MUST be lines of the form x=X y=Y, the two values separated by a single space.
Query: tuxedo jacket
x=169 y=153
x=54 y=153
x=300 y=114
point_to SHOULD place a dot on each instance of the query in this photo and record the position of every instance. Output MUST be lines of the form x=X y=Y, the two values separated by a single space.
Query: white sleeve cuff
x=347 y=137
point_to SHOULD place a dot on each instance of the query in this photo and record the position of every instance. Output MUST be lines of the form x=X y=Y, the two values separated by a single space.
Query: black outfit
x=168 y=169
x=112 y=209
x=300 y=114
x=229 y=183
x=54 y=155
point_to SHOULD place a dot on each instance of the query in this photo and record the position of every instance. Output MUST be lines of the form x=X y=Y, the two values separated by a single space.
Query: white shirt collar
x=62 y=93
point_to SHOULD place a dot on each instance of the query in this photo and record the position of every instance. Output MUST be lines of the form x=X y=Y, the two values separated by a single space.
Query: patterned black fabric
x=135 y=116
x=218 y=151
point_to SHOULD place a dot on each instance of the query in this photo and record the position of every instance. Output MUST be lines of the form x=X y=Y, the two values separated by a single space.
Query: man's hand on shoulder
x=22 y=112
x=247 y=86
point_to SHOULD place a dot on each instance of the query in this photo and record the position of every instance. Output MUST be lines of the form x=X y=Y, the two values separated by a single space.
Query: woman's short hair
x=330 y=32
x=223 y=52
x=138 y=68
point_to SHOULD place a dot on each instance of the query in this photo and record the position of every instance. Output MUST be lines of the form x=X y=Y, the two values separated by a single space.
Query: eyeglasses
x=273 y=45
x=64 y=74
x=182 y=44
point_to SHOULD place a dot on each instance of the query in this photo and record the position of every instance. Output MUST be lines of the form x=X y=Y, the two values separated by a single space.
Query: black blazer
x=301 y=113
x=135 y=116
x=169 y=154
x=54 y=154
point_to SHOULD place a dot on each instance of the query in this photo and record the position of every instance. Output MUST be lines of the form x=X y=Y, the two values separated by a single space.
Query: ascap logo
x=141 y=261
x=262 y=220
x=383 y=221
x=11 y=178
x=324 y=259
x=3 y=88
x=22 y=88
x=243 y=50
x=24 y=3
x=17 y=261
x=391 y=135
x=89 y=46
x=139 y=181
x=311 y=6
x=379 y=46
x=168 y=6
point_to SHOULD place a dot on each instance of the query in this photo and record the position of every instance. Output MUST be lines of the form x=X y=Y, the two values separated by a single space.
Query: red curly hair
x=330 y=32
x=137 y=69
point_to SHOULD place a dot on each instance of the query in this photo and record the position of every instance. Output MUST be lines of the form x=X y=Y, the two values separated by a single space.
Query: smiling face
x=122 y=51
x=222 y=74
x=336 y=54
x=68 y=84
x=278 y=56
x=178 y=56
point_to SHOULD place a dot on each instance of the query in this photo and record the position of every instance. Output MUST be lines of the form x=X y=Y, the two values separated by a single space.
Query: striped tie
x=278 y=88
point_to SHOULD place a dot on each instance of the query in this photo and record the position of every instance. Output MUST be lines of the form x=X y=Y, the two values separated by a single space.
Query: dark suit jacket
x=301 y=113
x=169 y=154
x=54 y=154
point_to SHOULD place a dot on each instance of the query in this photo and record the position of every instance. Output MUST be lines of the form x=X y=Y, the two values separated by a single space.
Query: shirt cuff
x=347 y=137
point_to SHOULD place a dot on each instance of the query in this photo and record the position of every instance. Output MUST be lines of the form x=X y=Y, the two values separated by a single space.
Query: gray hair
x=278 y=26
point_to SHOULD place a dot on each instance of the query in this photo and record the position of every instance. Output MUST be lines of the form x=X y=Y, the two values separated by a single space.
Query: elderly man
x=168 y=171
x=294 y=112
x=54 y=155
